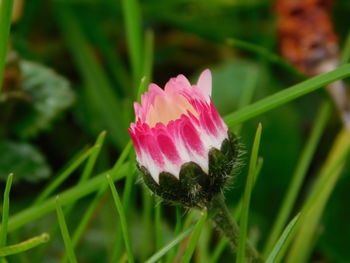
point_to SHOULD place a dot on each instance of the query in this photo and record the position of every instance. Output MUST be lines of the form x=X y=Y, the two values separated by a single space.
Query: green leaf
x=24 y=160
x=50 y=95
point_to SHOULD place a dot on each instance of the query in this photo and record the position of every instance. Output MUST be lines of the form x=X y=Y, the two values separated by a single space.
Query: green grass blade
x=122 y=218
x=194 y=239
x=178 y=227
x=278 y=247
x=84 y=222
x=316 y=202
x=93 y=157
x=158 y=224
x=67 y=197
x=298 y=176
x=5 y=25
x=157 y=256
x=5 y=211
x=64 y=175
x=345 y=54
x=25 y=245
x=246 y=198
x=92 y=206
x=132 y=18
x=287 y=95
x=147 y=223
x=65 y=233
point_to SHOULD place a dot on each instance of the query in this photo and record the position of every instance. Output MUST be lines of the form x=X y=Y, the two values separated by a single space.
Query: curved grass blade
x=157 y=256
x=25 y=245
x=65 y=233
x=246 y=197
x=122 y=217
x=282 y=241
x=64 y=175
x=286 y=95
x=66 y=197
x=195 y=236
x=5 y=211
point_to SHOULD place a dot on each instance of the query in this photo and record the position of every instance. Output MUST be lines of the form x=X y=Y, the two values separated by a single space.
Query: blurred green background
x=69 y=77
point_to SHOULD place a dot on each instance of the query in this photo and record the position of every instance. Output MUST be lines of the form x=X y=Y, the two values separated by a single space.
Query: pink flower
x=177 y=125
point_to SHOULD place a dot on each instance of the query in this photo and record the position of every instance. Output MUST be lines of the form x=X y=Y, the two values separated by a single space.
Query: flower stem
x=223 y=222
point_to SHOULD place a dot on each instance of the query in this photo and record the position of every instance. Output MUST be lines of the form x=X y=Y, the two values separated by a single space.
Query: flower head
x=177 y=128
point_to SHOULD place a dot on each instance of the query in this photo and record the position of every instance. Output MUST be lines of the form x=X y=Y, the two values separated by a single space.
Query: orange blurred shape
x=306 y=34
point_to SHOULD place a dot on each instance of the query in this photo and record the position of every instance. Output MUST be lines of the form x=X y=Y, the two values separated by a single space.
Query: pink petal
x=204 y=82
x=168 y=148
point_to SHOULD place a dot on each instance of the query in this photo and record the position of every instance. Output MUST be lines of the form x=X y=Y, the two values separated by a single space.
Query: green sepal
x=195 y=188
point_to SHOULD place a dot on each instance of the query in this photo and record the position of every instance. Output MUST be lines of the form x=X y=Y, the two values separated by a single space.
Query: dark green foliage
x=24 y=160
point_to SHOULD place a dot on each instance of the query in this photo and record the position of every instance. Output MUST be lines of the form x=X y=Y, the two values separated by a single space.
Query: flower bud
x=184 y=149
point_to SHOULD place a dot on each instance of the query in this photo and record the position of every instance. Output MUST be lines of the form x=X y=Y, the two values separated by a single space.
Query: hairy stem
x=223 y=222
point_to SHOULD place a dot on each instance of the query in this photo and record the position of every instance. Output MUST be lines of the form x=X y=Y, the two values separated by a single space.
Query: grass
x=241 y=257
x=5 y=24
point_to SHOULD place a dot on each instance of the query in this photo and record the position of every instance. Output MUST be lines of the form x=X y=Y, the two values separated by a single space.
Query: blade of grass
x=246 y=197
x=298 y=176
x=5 y=25
x=25 y=245
x=84 y=222
x=177 y=230
x=64 y=175
x=132 y=18
x=158 y=224
x=157 y=256
x=74 y=193
x=65 y=233
x=314 y=206
x=148 y=56
x=286 y=95
x=345 y=54
x=195 y=236
x=122 y=218
x=147 y=216
x=93 y=157
x=89 y=212
x=5 y=211
x=88 y=168
x=278 y=247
